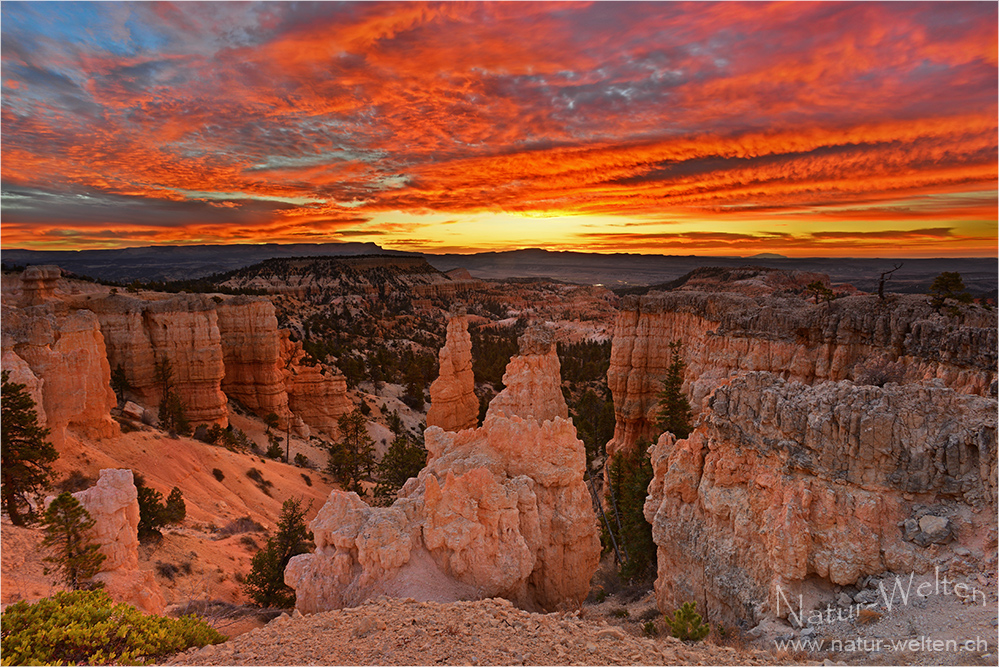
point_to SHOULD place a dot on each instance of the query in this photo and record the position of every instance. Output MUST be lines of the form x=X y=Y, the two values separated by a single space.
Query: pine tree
x=175 y=509
x=629 y=476
x=674 y=409
x=265 y=582
x=948 y=285
x=353 y=454
x=66 y=525
x=25 y=454
x=404 y=459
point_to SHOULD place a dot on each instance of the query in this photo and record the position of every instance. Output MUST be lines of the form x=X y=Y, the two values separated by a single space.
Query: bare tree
x=885 y=276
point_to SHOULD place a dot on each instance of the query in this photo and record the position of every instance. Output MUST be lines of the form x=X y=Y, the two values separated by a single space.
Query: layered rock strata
x=252 y=356
x=113 y=504
x=453 y=403
x=181 y=332
x=317 y=393
x=786 y=485
x=59 y=355
x=901 y=337
x=499 y=511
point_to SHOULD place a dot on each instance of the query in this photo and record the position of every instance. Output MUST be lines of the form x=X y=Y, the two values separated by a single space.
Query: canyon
x=833 y=443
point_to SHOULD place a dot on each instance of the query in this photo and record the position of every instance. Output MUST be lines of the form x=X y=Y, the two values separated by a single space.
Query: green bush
x=686 y=623
x=86 y=627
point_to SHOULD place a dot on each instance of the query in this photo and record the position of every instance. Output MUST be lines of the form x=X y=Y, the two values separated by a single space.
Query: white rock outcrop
x=499 y=511
x=113 y=504
x=810 y=487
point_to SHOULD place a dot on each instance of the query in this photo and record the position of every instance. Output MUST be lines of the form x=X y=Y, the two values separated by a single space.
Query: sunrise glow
x=806 y=129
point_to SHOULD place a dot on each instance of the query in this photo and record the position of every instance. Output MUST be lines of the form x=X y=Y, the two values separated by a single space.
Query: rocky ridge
x=63 y=350
x=724 y=334
x=809 y=488
x=58 y=353
x=485 y=632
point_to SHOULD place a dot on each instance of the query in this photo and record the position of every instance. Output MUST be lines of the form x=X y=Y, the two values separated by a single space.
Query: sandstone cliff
x=317 y=393
x=500 y=510
x=726 y=334
x=182 y=331
x=113 y=504
x=59 y=354
x=453 y=403
x=783 y=484
x=252 y=356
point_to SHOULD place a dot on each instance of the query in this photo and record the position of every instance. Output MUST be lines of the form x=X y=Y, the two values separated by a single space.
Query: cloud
x=631 y=111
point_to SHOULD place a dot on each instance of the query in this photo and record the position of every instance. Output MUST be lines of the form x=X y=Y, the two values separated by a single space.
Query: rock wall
x=182 y=331
x=113 y=504
x=453 y=403
x=317 y=394
x=499 y=510
x=251 y=354
x=59 y=354
x=727 y=334
x=801 y=487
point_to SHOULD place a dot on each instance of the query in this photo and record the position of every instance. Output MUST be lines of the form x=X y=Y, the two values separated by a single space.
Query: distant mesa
x=767 y=255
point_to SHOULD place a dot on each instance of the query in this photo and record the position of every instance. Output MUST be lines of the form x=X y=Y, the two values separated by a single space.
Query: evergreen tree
x=25 y=454
x=75 y=557
x=265 y=582
x=175 y=509
x=153 y=512
x=352 y=456
x=120 y=383
x=172 y=410
x=404 y=459
x=629 y=476
x=948 y=285
x=674 y=409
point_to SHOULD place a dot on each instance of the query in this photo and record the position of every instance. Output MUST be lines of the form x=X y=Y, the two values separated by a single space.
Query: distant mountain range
x=613 y=271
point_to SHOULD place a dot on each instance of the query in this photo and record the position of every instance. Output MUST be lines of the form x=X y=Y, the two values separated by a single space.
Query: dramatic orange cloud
x=716 y=128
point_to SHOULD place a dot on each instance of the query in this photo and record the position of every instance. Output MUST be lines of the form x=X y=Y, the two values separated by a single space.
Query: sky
x=806 y=129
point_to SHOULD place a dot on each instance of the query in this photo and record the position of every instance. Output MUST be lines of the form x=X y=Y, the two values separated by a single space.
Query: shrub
x=242 y=525
x=258 y=477
x=686 y=623
x=301 y=460
x=650 y=629
x=67 y=524
x=274 y=449
x=76 y=481
x=86 y=627
x=308 y=480
x=218 y=474
x=265 y=582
